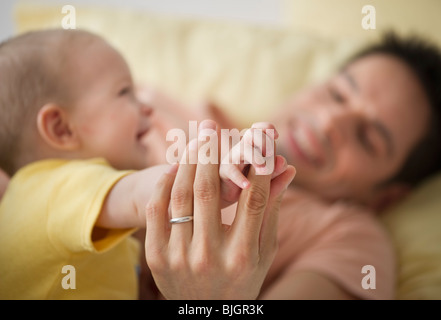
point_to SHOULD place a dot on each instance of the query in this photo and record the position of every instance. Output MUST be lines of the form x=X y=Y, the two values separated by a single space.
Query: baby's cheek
x=88 y=129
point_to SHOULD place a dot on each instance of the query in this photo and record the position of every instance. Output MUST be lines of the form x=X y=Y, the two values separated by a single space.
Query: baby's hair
x=31 y=75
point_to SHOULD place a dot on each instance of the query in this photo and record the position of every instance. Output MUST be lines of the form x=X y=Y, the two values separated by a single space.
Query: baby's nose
x=146 y=109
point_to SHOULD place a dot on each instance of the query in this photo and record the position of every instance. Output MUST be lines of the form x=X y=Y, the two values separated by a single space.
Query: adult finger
x=268 y=233
x=250 y=210
x=157 y=217
x=182 y=196
x=207 y=220
x=280 y=166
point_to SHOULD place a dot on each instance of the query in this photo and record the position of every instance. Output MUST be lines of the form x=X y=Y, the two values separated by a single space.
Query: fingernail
x=207 y=124
x=193 y=145
x=173 y=168
x=262 y=171
x=204 y=133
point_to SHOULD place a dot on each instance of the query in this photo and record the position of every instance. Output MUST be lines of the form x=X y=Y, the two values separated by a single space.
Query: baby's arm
x=257 y=148
x=124 y=206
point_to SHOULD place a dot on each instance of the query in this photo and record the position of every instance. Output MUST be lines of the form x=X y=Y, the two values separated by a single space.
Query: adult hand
x=202 y=258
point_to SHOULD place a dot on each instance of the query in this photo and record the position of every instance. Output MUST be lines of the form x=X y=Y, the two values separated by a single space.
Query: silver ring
x=181 y=219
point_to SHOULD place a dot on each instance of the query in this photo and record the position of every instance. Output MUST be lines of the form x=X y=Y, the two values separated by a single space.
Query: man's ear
x=389 y=195
x=55 y=129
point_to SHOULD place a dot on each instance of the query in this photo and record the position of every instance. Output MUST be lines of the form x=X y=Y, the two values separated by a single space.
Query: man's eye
x=336 y=96
x=124 y=91
x=364 y=139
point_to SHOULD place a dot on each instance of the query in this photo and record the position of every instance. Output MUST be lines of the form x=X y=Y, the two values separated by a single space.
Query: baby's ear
x=55 y=129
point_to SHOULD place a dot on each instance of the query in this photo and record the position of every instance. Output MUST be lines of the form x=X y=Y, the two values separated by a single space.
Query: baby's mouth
x=142 y=134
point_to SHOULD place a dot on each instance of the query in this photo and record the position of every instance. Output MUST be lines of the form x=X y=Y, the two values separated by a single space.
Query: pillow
x=342 y=18
x=247 y=70
x=415 y=225
x=250 y=71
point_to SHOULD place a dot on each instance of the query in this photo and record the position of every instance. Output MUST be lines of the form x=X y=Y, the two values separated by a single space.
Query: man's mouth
x=306 y=144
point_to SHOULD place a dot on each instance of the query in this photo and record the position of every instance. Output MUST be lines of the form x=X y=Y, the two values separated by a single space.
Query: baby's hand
x=256 y=148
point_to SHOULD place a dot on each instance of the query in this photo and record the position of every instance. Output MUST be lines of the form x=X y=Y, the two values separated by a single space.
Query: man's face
x=354 y=131
x=108 y=118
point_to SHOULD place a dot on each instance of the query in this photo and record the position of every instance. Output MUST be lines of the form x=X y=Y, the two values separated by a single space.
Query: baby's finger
x=245 y=153
x=229 y=171
x=271 y=135
x=258 y=138
x=267 y=126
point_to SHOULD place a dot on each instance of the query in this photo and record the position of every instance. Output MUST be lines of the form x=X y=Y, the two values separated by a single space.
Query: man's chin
x=305 y=179
x=133 y=165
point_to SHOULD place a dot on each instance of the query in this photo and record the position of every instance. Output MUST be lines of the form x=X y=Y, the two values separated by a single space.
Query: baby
x=71 y=138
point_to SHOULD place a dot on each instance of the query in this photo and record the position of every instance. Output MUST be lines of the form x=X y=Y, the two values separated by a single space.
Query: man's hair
x=31 y=75
x=424 y=60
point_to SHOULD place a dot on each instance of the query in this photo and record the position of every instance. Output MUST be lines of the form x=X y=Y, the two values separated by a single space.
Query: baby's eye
x=124 y=91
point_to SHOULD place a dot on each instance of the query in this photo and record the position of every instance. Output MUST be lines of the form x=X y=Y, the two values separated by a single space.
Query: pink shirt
x=336 y=240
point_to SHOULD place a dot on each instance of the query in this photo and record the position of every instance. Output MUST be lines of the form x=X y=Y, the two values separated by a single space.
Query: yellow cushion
x=415 y=225
x=249 y=71
x=342 y=18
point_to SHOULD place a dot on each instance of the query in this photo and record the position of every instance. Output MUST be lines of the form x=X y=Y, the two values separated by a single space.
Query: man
x=360 y=142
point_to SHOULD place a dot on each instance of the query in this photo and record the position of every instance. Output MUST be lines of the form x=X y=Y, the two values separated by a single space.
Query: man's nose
x=341 y=126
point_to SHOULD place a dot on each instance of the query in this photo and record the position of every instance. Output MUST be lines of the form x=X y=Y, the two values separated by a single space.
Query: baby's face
x=107 y=116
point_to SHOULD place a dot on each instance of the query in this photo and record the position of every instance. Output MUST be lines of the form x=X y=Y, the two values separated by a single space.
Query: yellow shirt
x=46 y=220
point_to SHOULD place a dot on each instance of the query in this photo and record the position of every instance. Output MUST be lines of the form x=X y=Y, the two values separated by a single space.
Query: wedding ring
x=181 y=219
